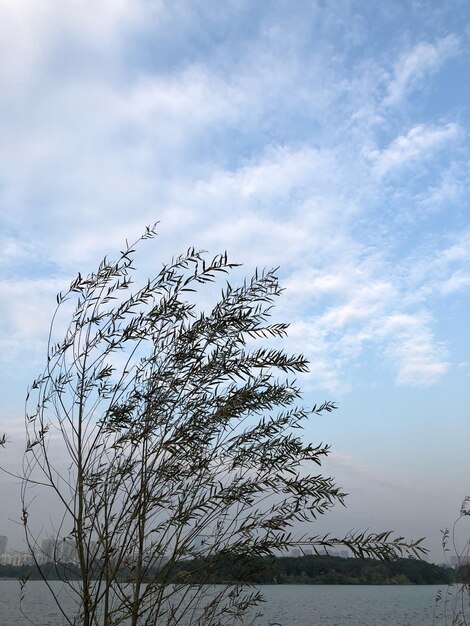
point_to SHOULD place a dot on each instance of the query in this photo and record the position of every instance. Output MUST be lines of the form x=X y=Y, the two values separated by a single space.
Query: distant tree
x=165 y=433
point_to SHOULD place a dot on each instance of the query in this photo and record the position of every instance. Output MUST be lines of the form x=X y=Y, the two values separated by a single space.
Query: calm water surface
x=288 y=605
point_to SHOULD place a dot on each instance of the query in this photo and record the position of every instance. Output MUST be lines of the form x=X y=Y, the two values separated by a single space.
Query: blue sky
x=329 y=138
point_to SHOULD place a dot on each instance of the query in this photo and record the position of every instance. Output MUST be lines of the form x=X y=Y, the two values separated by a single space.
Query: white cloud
x=449 y=190
x=12 y=250
x=420 y=142
x=175 y=109
x=306 y=337
x=280 y=171
x=458 y=281
x=366 y=299
x=419 y=359
x=316 y=283
x=33 y=31
x=422 y=60
x=22 y=304
x=359 y=309
x=441 y=270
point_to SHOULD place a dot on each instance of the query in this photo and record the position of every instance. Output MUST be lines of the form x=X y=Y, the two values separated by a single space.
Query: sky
x=330 y=139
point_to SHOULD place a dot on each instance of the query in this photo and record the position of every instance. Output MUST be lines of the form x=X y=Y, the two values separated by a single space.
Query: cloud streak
x=418 y=63
x=417 y=145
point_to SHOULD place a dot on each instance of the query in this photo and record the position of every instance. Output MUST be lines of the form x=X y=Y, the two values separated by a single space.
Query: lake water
x=287 y=605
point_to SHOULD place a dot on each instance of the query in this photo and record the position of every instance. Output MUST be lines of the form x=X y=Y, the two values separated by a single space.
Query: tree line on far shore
x=319 y=569
x=311 y=569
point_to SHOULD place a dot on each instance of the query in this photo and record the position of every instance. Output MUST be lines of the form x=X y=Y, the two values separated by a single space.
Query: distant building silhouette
x=58 y=551
x=3 y=544
x=48 y=549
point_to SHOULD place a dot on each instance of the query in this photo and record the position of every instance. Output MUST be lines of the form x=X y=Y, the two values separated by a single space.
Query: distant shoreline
x=304 y=570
